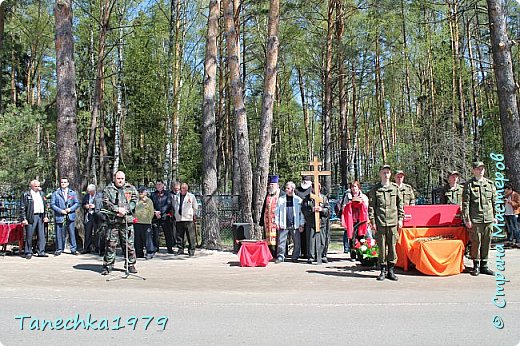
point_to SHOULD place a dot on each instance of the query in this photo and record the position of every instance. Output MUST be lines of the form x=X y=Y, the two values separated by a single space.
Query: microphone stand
x=126 y=274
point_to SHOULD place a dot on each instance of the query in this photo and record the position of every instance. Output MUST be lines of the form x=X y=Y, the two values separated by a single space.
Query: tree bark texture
x=211 y=230
x=263 y=151
x=327 y=102
x=66 y=132
x=506 y=88
x=242 y=133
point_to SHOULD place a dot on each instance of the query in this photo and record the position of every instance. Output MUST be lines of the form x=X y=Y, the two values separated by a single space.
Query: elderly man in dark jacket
x=92 y=203
x=162 y=202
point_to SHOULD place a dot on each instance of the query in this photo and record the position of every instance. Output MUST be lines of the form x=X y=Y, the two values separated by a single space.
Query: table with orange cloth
x=254 y=254
x=433 y=257
x=10 y=233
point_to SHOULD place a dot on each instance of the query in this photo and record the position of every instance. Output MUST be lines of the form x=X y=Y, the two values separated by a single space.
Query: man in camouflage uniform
x=386 y=216
x=119 y=201
x=452 y=192
x=406 y=190
x=478 y=209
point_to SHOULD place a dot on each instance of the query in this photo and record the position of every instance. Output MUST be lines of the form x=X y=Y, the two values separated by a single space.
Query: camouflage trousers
x=115 y=232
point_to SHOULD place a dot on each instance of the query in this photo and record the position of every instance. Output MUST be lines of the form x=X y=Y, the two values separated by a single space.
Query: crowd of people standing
x=119 y=213
x=301 y=213
x=380 y=215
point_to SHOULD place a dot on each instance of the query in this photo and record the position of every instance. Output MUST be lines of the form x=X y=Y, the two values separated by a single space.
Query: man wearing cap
x=386 y=216
x=267 y=216
x=303 y=191
x=405 y=189
x=452 y=192
x=478 y=209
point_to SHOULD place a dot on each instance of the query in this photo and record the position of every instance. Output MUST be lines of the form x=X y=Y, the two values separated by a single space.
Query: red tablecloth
x=254 y=254
x=11 y=232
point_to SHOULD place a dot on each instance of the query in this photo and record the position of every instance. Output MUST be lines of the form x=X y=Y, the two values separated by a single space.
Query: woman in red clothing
x=355 y=216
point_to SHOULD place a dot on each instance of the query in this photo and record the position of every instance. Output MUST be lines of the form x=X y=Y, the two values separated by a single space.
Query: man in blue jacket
x=64 y=202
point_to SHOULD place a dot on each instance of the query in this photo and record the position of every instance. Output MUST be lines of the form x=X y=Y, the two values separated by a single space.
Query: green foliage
x=22 y=156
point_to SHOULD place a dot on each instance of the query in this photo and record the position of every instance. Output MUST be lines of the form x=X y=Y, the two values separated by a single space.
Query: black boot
x=382 y=275
x=476 y=269
x=485 y=270
x=391 y=275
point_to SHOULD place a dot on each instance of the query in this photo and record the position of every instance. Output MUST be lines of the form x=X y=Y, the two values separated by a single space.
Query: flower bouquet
x=366 y=251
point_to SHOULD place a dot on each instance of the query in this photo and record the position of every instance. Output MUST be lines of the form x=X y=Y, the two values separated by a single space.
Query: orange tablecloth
x=438 y=257
x=406 y=243
x=11 y=232
x=254 y=254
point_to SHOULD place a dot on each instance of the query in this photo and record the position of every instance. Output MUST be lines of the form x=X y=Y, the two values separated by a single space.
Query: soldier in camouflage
x=386 y=216
x=119 y=201
x=406 y=190
x=478 y=209
x=452 y=192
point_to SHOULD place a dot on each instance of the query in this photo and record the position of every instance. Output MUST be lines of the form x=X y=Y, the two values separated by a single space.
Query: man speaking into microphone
x=119 y=201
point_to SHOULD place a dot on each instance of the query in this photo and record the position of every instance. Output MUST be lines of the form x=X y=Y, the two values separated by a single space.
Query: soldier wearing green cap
x=452 y=192
x=406 y=190
x=478 y=206
x=386 y=216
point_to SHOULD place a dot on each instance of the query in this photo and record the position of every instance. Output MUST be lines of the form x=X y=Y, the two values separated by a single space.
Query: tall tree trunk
x=2 y=56
x=66 y=131
x=344 y=130
x=97 y=107
x=211 y=231
x=507 y=89
x=305 y=110
x=242 y=133
x=474 y=96
x=379 y=103
x=177 y=87
x=263 y=151
x=168 y=159
x=171 y=160
x=119 y=91
x=14 y=65
x=327 y=102
x=353 y=162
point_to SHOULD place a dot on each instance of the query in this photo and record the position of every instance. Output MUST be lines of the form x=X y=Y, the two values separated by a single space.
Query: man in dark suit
x=92 y=203
x=64 y=202
x=162 y=202
x=32 y=216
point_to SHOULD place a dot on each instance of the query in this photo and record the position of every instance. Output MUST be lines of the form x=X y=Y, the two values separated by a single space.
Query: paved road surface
x=210 y=300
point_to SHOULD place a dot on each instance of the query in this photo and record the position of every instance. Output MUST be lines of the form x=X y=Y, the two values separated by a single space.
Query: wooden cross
x=316 y=195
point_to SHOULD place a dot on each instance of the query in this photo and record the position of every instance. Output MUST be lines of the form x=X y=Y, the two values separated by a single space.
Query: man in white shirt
x=185 y=207
x=32 y=215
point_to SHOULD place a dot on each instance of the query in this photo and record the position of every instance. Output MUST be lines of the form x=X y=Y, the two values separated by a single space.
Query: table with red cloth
x=10 y=233
x=254 y=254
x=432 y=257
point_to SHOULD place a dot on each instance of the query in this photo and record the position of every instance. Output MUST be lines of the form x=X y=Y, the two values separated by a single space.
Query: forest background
x=220 y=93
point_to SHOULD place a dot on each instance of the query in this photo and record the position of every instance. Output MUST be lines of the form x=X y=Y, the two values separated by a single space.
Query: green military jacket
x=114 y=197
x=408 y=194
x=385 y=205
x=478 y=201
x=452 y=196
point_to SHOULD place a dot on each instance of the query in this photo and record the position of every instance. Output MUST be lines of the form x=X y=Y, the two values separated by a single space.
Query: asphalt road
x=210 y=300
